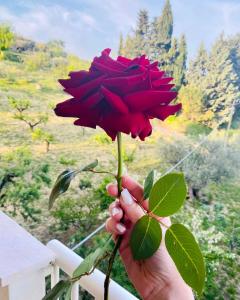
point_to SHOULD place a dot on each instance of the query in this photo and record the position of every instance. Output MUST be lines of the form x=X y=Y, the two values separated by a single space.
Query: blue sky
x=88 y=26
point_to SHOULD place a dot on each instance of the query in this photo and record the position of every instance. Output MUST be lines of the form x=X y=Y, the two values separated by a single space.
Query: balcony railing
x=25 y=263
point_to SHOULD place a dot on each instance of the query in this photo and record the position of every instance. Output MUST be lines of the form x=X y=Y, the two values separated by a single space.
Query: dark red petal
x=109 y=62
x=162 y=112
x=165 y=87
x=86 y=122
x=115 y=101
x=161 y=81
x=83 y=76
x=156 y=74
x=78 y=78
x=146 y=131
x=105 y=69
x=127 y=84
x=75 y=108
x=106 y=51
x=126 y=61
x=85 y=89
x=144 y=100
x=134 y=124
x=91 y=101
x=154 y=66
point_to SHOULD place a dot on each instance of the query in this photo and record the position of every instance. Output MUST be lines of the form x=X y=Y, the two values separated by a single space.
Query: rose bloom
x=120 y=95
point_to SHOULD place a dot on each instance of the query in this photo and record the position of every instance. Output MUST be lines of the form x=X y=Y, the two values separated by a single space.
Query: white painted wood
x=28 y=287
x=75 y=291
x=68 y=261
x=20 y=253
x=54 y=275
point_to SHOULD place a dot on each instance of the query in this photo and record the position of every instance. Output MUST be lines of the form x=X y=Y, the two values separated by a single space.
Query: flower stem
x=119 y=239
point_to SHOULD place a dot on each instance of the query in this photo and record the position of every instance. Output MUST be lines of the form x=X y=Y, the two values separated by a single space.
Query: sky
x=88 y=26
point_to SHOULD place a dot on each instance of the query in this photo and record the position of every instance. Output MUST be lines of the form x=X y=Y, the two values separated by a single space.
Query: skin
x=155 y=278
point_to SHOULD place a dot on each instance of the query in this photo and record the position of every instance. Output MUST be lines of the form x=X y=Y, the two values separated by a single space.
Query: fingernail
x=108 y=185
x=127 y=198
x=121 y=228
x=115 y=211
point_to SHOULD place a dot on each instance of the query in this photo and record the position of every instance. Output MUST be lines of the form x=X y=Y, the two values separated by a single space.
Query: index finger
x=135 y=189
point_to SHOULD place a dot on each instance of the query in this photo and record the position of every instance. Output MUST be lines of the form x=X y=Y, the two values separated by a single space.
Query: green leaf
x=89 y=262
x=57 y=290
x=187 y=256
x=63 y=181
x=148 y=184
x=91 y=166
x=68 y=293
x=61 y=185
x=145 y=238
x=168 y=194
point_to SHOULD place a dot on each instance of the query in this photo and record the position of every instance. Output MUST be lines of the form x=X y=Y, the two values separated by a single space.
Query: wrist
x=180 y=292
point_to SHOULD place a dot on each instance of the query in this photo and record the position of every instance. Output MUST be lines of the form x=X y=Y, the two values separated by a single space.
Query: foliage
x=101 y=194
x=22 y=113
x=6 y=38
x=155 y=40
x=212 y=162
x=21 y=181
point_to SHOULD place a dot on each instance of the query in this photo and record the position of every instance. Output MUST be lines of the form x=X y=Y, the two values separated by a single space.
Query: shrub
x=212 y=162
x=22 y=179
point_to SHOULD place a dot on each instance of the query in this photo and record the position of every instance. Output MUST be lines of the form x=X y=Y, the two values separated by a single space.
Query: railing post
x=24 y=262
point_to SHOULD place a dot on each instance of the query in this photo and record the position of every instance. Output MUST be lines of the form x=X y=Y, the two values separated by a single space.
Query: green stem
x=119 y=239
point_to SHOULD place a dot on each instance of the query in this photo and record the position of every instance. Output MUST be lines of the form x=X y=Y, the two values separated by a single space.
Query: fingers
x=115 y=227
x=115 y=210
x=127 y=182
x=132 y=210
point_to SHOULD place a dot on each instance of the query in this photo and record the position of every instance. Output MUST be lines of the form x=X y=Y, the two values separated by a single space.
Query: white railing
x=68 y=261
x=25 y=263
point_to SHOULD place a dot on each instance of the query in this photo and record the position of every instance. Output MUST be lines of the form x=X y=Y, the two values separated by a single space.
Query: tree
x=181 y=62
x=137 y=43
x=164 y=31
x=6 y=38
x=121 y=45
x=22 y=113
x=193 y=102
x=222 y=82
x=141 y=33
x=198 y=68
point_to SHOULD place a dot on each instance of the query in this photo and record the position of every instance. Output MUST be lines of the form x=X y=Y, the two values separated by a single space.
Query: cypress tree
x=165 y=28
x=121 y=45
x=222 y=81
x=198 y=68
x=141 y=33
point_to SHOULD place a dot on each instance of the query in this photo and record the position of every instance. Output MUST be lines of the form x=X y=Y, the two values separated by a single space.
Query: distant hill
x=31 y=69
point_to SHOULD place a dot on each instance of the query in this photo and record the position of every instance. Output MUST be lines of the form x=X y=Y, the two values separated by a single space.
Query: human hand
x=155 y=278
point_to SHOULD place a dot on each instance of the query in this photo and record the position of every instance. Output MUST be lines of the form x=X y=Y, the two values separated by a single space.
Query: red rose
x=119 y=95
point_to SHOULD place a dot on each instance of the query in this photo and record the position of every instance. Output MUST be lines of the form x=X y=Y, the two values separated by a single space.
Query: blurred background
x=198 y=43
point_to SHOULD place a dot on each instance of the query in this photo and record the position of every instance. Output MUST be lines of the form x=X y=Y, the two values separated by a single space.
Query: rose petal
x=114 y=101
x=85 y=89
x=135 y=123
x=85 y=122
x=161 y=81
x=156 y=74
x=124 y=60
x=164 y=87
x=164 y=111
x=144 y=100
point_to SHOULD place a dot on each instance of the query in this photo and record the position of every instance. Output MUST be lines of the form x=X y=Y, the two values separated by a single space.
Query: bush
x=212 y=162
x=21 y=182
x=197 y=129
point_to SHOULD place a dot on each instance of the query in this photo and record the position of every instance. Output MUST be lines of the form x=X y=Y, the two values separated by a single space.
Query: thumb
x=132 y=210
